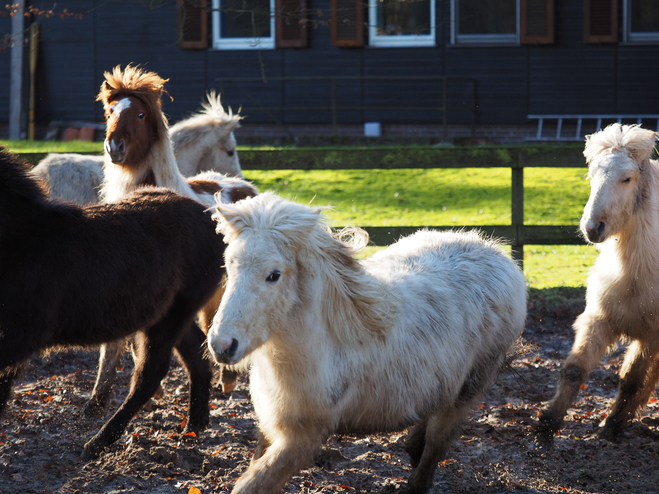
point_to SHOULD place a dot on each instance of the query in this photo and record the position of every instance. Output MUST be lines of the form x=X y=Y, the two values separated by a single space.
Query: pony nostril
x=600 y=227
x=230 y=350
x=121 y=148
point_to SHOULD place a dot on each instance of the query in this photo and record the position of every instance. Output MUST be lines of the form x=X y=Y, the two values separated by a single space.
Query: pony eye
x=273 y=276
x=231 y=152
x=140 y=115
x=627 y=180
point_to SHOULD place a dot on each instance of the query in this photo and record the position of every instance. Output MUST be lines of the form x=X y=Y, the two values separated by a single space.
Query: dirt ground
x=42 y=434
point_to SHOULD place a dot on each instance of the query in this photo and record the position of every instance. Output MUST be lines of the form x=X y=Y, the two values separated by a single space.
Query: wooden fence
x=517 y=234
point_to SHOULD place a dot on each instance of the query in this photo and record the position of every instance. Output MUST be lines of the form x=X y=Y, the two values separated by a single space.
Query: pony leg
x=228 y=376
x=155 y=354
x=6 y=380
x=207 y=312
x=638 y=378
x=440 y=430
x=262 y=444
x=191 y=349
x=281 y=460
x=416 y=442
x=110 y=354
x=593 y=338
x=160 y=392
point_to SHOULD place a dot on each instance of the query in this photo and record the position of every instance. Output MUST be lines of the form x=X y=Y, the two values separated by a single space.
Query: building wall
x=568 y=76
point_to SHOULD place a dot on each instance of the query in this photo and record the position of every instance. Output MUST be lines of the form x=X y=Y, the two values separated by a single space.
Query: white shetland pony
x=622 y=299
x=206 y=142
x=335 y=344
x=203 y=142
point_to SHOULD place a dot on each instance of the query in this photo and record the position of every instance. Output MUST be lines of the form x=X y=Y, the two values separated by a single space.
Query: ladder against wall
x=591 y=122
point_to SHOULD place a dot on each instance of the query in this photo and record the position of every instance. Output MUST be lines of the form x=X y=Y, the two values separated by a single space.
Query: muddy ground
x=42 y=434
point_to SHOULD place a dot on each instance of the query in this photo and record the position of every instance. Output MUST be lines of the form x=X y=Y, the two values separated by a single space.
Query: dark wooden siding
x=566 y=76
x=66 y=80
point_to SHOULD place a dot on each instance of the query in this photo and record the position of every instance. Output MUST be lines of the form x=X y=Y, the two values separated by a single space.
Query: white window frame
x=630 y=37
x=400 y=40
x=484 y=39
x=219 y=43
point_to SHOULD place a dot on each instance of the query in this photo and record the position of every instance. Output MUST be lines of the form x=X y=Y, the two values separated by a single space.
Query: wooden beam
x=17 y=73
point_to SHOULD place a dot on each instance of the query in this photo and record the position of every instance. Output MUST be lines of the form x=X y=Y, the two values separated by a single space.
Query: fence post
x=444 y=109
x=517 y=209
x=334 y=122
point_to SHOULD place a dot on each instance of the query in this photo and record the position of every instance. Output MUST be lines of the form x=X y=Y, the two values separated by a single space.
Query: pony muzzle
x=226 y=350
x=594 y=231
x=117 y=152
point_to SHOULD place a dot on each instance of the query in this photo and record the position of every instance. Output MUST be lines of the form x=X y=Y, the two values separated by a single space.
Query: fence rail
x=517 y=234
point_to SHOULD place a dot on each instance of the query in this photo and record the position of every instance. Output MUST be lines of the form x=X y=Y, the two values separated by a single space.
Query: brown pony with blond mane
x=138 y=152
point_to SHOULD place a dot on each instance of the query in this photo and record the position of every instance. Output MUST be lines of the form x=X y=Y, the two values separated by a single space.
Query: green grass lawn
x=466 y=196
x=418 y=197
x=52 y=146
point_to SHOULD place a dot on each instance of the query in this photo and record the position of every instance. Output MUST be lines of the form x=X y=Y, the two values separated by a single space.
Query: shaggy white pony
x=206 y=141
x=413 y=335
x=622 y=303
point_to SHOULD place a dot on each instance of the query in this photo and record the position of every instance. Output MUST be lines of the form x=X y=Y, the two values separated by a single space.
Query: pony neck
x=352 y=304
x=159 y=169
x=162 y=164
x=635 y=245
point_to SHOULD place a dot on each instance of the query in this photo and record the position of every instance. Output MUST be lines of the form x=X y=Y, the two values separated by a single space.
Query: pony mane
x=352 y=299
x=16 y=179
x=637 y=142
x=213 y=118
x=134 y=81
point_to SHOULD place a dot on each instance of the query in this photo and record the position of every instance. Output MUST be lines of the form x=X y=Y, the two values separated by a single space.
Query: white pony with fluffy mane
x=413 y=335
x=205 y=141
x=622 y=299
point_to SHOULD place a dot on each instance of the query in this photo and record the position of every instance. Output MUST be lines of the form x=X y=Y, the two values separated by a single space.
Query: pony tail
x=353 y=238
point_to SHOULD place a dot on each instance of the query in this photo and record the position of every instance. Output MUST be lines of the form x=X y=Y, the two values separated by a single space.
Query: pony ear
x=640 y=143
x=103 y=93
x=230 y=223
x=295 y=226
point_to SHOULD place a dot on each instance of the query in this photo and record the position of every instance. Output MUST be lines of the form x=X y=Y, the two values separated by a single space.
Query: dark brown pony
x=76 y=277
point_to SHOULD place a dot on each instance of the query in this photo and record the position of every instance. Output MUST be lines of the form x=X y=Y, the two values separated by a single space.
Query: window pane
x=487 y=16
x=403 y=17
x=245 y=18
x=645 y=16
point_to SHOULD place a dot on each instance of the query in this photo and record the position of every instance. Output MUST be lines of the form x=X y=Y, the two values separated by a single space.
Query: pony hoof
x=194 y=428
x=93 y=409
x=160 y=392
x=228 y=387
x=91 y=450
x=228 y=379
x=610 y=434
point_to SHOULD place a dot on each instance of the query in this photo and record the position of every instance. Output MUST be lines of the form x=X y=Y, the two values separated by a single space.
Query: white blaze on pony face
x=614 y=188
x=261 y=291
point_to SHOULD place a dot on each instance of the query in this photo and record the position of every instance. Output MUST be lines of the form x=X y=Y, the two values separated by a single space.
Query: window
x=243 y=24
x=641 y=21
x=485 y=21
x=401 y=23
